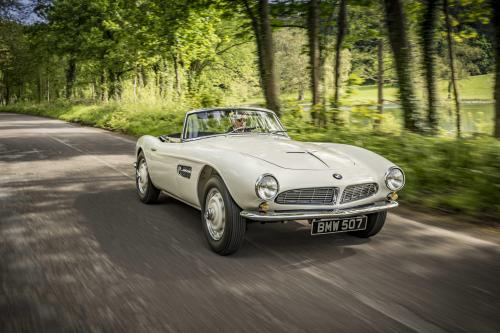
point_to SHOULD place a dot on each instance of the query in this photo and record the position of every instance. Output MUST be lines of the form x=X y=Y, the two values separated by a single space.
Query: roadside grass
x=472 y=88
x=456 y=176
x=477 y=88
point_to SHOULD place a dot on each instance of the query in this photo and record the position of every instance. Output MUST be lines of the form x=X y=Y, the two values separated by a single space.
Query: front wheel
x=375 y=223
x=222 y=223
x=147 y=192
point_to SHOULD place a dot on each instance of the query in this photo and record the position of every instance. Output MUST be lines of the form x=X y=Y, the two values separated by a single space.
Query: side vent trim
x=184 y=171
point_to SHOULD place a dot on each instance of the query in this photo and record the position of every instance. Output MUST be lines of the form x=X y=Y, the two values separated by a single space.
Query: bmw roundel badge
x=337 y=176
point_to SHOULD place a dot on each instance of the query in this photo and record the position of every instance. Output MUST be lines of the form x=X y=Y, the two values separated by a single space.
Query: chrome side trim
x=321 y=214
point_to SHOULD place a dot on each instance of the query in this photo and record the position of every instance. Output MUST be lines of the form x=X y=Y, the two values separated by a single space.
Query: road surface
x=79 y=252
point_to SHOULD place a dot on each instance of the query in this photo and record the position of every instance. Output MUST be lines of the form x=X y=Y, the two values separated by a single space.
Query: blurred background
x=411 y=80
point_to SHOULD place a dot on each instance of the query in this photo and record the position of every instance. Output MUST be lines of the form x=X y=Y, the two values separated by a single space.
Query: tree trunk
x=428 y=32
x=144 y=76
x=7 y=91
x=270 y=80
x=300 y=96
x=314 y=56
x=134 y=84
x=21 y=92
x=496 y=26
x=264 y=40
x=47 y=83
x=102 y=86
x=398 y=38
x=93 y=89
x=114 y=85
x=380 y=81
x=70 y=77
x=451 y=56
x=159 y=81
x=177 y=75
x=39 y=87
x=326 y=29
x=118 y=86
x=341 y=31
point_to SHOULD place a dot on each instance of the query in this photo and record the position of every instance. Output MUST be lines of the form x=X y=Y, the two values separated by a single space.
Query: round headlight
x=395 y=179
x=266 y=187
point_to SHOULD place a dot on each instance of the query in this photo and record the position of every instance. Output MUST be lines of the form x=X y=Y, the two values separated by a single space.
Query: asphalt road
x=79 y=252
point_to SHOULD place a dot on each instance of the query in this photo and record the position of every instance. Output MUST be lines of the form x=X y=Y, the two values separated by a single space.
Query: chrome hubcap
x=142 y=177
x=215 y=214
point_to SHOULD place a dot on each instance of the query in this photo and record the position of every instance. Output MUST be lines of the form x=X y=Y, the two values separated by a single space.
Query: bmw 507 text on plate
x=238 y=165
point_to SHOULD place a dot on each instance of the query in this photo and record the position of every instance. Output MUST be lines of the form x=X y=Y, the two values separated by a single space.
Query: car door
x=188 y=170
x=163 y=163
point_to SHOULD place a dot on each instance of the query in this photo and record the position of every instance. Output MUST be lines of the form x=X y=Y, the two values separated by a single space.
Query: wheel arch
x=206 y=172
x=139 y=150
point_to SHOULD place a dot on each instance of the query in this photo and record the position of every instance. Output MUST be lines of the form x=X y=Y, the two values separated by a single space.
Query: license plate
x=332 y=226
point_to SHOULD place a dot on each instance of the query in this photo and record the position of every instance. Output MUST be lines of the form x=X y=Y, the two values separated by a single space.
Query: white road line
x=90 y=155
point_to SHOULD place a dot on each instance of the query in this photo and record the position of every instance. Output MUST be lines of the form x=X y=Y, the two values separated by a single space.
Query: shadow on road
x=166 y=239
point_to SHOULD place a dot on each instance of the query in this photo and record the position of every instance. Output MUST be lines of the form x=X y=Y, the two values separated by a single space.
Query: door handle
x=153 y=148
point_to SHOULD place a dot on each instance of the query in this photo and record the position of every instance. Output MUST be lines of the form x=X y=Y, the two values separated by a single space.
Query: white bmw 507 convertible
x=238 y=165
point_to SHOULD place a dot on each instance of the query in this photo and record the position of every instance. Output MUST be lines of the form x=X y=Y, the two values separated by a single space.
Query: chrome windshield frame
x=184 y=127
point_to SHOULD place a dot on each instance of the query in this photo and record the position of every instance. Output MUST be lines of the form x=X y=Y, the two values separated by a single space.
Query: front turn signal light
x=392 y=196
x=263 y=207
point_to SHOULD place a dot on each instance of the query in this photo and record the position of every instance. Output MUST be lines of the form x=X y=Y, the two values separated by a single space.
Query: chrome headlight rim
x=386 y=179
x=258 y=184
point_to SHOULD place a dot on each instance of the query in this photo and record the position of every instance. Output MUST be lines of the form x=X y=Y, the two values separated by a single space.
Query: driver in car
x=238 y=123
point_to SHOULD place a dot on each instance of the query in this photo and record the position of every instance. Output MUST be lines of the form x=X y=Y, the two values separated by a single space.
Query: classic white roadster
x=238 y=165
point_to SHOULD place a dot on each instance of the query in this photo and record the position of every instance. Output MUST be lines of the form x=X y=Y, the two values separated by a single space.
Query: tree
x=451 y=57
x=260 y=18
x=398 y=37
x=380 y=78
x=428 y=36
x=496 y=27
x=341 y=31
x=314 y=50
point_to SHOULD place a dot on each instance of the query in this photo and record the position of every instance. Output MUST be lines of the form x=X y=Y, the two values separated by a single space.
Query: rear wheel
x=146 y=191
x=222 y=224
x=374 y=224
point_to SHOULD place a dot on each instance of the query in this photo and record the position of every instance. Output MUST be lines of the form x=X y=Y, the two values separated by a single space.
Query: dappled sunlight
x=50 y=250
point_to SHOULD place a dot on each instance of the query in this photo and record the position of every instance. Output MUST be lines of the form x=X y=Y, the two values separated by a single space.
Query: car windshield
x=214 y=122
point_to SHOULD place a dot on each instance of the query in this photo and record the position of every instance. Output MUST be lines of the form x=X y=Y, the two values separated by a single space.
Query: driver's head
x=238 y=121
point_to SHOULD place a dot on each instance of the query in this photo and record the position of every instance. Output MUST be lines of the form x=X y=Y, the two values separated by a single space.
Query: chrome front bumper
x=320 y=214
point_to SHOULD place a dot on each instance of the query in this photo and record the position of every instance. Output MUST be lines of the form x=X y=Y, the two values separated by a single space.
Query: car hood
x=284 y=152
